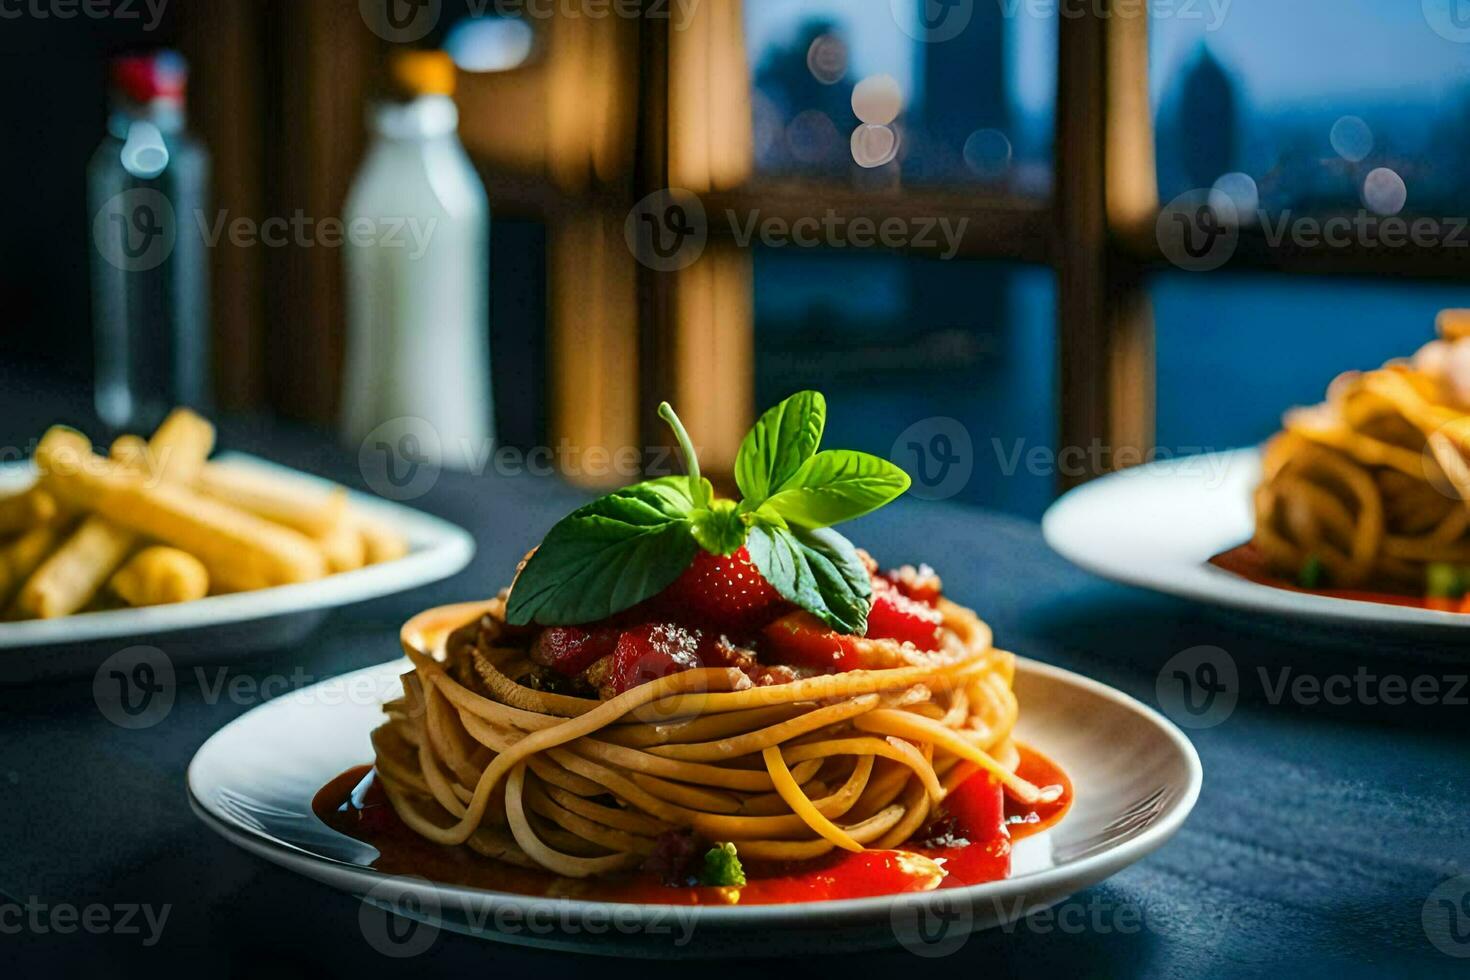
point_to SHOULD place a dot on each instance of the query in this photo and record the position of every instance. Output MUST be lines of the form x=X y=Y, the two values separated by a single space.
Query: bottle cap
x=145 y=78
x=416 y=73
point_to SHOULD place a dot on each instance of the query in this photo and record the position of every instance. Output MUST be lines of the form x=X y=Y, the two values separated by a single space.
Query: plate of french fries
x=154 y=541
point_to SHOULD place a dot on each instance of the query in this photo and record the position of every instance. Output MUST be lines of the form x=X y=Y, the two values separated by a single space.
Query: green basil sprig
x=632 y=544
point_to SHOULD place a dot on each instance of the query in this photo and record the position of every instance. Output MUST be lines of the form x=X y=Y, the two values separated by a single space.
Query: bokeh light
x=1236 y=198
x=1384 y=192
x=1352 y=139
x=486 y=44
x=826 y=59
x=877 y=100
x=987 y=152
x=874 y=145
x=812 y=137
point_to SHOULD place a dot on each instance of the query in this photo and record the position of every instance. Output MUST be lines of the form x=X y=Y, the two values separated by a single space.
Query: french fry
x=294 y=503
x=129 y=450
x=23 y=511
x=69 y=579
x=240 y=551
x=344 y=547
x=21 y=557
x=177 y=451
x=158 y=576
x=1453 y=324
x=380 y=542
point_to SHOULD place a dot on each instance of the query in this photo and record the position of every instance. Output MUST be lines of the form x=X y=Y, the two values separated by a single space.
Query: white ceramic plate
x=1136 y=778
x=1158 y=526
x=220 y=627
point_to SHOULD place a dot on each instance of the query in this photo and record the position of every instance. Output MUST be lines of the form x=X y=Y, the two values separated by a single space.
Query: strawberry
x=724 y=591
x=646 y=653
x=895 y=616
x=802 y=640
x=569 y=650
x=921 y=584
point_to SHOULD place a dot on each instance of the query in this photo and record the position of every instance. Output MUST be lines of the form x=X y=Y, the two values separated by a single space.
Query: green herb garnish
x=722 y=867
x=1311 y=574
x=632 y=544
x=1443 y=581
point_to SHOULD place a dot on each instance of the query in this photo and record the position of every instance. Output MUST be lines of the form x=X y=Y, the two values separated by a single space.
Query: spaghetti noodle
x=475 y=753
x=1371 y=490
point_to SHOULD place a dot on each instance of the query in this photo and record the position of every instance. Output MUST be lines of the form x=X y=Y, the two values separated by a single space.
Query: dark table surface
x=1322 y=834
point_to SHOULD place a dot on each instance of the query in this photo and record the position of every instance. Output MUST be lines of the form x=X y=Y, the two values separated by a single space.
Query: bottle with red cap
x=148 y=187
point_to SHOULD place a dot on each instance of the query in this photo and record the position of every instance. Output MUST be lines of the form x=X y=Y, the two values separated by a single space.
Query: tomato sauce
x=968 y=843
x=1249 y=563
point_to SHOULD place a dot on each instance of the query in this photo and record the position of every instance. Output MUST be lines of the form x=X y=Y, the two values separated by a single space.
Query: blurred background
x=985 y=188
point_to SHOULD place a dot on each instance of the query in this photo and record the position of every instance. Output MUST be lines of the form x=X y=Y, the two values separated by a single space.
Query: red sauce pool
x=1248 y=563
x=973 y=835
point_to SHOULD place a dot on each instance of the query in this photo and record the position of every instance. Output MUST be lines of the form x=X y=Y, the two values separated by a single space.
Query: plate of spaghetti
x=1357 y=512
x=716 y=719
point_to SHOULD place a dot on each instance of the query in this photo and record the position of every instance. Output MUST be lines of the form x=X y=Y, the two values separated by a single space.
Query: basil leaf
x=817 y=570
x=607 y=556
x=785 y=437
x=719 y=529
x=837 y=485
